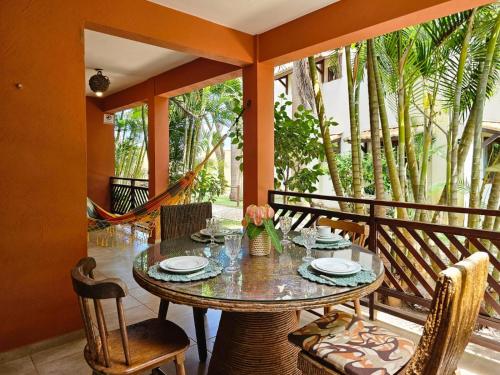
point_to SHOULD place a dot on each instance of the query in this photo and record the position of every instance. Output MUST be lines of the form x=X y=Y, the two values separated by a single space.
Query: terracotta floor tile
x=21 y=366
x=73 y=364
x=58 y=352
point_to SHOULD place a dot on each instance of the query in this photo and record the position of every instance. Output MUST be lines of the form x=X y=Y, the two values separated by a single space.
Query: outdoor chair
x=357 y=234
x=339 y=343
x=130 y=349
x=179 y=221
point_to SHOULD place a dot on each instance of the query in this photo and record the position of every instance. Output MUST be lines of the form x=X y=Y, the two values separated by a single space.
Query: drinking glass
x=212 y=229
x=285 y=226
x=309 y=239
x=232 y=244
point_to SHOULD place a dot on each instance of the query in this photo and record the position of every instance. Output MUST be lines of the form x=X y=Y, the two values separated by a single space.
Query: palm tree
x=375 y=129
x=325 y=133
x=354 y=76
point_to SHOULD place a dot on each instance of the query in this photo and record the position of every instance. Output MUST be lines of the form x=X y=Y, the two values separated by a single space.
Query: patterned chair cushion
x=354 y=346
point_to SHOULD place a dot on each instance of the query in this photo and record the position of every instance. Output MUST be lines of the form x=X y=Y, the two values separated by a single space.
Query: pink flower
x=251 y=211
x=259 y=216
x=268 y=212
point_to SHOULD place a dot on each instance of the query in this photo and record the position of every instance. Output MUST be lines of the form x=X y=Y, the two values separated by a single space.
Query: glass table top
x=260 y=279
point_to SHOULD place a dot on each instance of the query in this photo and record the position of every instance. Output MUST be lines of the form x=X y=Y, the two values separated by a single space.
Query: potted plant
x=259 y=227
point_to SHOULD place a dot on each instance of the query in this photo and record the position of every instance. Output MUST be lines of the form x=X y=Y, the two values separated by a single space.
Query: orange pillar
x=158 y=148
x=258 y=133
x=100 y=154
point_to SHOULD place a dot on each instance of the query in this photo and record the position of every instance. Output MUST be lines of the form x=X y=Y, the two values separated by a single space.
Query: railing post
x=372 y=245
x=132 y=194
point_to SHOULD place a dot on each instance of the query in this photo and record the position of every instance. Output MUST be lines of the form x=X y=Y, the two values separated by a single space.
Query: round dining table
x=259 y=302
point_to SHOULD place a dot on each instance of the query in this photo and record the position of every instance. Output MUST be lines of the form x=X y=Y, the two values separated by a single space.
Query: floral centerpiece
x=259 y=227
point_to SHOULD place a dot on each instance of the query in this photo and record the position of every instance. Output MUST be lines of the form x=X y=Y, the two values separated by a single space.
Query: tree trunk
x=302 y=90
x=375 y=135
x=494 y=198
x=397 y=193
x=478 y=140
x=325 y=132
x=234 y=194
x=357 y=174
x=413 y=167
x=453 y=179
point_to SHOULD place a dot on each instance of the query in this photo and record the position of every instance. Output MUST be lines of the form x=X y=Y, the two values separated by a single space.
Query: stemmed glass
x=212 y=229
x=285 y=226
x=309 y=239
x=232 y=244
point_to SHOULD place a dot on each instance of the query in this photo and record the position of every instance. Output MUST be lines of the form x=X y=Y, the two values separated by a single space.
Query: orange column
x=100 y=154
x=158 y=147
x=258 y=133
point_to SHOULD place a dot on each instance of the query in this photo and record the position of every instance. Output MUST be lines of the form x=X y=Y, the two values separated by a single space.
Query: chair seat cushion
x=354 y=346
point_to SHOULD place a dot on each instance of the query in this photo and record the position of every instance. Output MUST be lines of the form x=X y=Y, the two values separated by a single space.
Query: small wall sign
x=109 y=118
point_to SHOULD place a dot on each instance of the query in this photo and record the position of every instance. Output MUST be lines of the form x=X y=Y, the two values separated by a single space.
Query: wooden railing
x=414 y=252
x=127 y=193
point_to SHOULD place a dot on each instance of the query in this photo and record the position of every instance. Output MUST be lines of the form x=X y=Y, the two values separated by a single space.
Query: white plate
x=222 y=232
x=184 y=264
x=330 y=238
x=335 y=266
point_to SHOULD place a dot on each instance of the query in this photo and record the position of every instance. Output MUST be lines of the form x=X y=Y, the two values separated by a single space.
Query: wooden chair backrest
x=88 y=289
x=184 y=219
x=358 y=233
x=449 y=325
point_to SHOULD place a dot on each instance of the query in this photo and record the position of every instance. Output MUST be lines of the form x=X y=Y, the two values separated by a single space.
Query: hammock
x=146 y=214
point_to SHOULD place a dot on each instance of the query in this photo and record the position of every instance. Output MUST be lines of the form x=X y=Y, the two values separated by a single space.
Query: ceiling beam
x=151 y=23
x=188 y=77
x=349 y=21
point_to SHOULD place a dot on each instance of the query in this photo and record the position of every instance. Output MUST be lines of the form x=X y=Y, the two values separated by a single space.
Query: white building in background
x=336 y=106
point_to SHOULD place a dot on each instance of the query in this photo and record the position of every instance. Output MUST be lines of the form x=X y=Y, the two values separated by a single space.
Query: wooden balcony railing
x=414 y=252
x=127 y=193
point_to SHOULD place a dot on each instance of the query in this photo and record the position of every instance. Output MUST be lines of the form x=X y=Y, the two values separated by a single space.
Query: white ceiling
x=126 y=62
x=250 y=16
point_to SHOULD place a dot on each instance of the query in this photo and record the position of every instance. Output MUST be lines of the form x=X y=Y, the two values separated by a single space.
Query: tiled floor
x=140 y=305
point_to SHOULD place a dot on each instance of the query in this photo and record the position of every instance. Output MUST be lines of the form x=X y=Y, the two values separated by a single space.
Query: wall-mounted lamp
x=99 y=83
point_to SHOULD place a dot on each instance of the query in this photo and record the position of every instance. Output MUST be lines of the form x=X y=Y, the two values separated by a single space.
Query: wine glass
x=232 y=244
x=285 y=226
x=212 y=229
x=309 y=239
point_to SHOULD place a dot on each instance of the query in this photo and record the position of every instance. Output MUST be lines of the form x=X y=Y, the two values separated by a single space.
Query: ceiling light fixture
x=99 y=83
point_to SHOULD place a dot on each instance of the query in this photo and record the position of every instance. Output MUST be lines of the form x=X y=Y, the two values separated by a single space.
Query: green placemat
x=362 y=277
x=342 y=243
x=213 y=269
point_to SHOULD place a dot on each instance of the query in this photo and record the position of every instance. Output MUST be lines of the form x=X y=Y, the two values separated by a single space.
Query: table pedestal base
x=254 y=344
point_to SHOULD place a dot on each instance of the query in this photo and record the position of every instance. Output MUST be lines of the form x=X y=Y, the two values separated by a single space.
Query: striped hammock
x=146 y=214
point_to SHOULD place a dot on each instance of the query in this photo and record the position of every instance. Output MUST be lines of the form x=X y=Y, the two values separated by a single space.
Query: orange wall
x=43 y=170
x=43 y=163
x=100 y=155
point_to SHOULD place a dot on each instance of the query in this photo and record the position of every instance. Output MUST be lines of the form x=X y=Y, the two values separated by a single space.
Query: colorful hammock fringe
x=145 y=214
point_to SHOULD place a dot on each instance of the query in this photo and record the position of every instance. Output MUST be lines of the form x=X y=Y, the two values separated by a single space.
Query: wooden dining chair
x=179 y=221
x=357 y=234
x=132 y=349
x=334 y=344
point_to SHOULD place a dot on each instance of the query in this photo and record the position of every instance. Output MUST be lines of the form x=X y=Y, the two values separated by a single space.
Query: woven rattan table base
x=255 y=343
